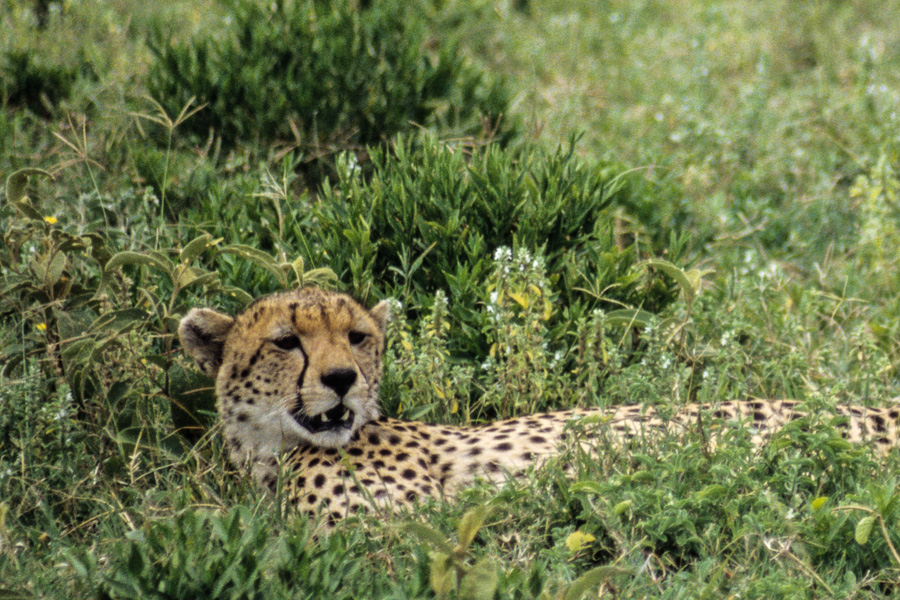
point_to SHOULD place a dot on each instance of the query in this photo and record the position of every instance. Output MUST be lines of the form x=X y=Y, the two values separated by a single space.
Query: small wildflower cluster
x=431 y=386
x=519 y=306
x=657 y=374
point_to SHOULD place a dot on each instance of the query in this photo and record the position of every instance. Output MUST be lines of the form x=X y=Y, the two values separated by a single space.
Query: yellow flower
x=578 y=541
x=51 y=220
x=42 y=327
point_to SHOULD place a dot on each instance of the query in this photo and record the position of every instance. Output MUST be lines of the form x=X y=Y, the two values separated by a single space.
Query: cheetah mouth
x=339 y=417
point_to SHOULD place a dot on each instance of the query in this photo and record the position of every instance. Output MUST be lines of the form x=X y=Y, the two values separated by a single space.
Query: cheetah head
x=300 y=367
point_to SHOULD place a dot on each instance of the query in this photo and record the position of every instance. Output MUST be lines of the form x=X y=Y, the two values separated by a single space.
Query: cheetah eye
x=288 y=342
x=356 y=337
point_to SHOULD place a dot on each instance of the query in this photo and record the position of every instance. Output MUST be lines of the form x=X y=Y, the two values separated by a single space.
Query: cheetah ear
x=203 y=332
x=381 y=312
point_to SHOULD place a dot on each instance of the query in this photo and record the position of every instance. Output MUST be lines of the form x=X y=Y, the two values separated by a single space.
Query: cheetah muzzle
x=339 y=417
x=297 y=382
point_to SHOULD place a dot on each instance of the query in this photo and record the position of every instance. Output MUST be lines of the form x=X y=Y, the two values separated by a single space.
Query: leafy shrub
x=432 y=216
x=238 y=554
x=195 y=555
x=27 y=80
x=87 y=311
x=322 y=74
x=528 y=367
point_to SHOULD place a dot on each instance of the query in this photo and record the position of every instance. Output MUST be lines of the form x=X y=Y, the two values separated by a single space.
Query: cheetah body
x=297 y=380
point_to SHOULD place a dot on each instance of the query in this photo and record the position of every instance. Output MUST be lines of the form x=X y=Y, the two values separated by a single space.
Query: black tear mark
x=302 y=376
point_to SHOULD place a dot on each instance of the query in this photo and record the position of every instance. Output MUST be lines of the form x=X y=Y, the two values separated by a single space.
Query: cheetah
x=297 y=383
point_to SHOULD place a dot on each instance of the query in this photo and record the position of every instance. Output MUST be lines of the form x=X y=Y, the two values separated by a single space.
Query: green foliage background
x=571 y=203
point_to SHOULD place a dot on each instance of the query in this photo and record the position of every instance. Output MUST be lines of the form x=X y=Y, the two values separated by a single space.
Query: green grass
x=756 y=143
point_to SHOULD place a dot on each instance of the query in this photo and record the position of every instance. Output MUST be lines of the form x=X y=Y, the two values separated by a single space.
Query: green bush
x=236 y=554
x=28 y=81
x=322 y=75
x=432 y=216
x=196 y=555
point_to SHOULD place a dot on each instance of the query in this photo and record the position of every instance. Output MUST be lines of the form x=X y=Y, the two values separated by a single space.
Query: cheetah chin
x=339 y=417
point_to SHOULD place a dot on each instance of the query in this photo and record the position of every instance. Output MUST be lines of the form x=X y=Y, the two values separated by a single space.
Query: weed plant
x=721 y=229
x=323 y=76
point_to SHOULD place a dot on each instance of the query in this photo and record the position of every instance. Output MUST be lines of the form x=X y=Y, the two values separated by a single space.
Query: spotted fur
x=297 y=379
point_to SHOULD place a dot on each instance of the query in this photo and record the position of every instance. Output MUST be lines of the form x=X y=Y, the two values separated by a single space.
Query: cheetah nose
x=340 y=380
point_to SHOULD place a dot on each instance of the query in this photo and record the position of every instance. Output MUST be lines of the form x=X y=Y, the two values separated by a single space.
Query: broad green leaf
x=127 y=257
x=442 y=575
x=239 y=295
x=480 y=582
x=591 y=580
x=56 y=267
x=840 y=444
x=195 y=248
x=297 y=266
x=622 y=506
x=695 y=276
x=644 y=477
x=163 y=259
x=863 y=529
x=630 y=317
x=38 y=268
x=429 y=536
x=470 y=524
x=680 y=277
x=207 y=280
x=98 y=248
x=257 y=257
x=28 y=210
x=188 y=277
x=82 y=562
x=248 y=252
x=119 y=320
x=322 y=276
x=592 y=487
x=17 y=184
x=79 y=350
